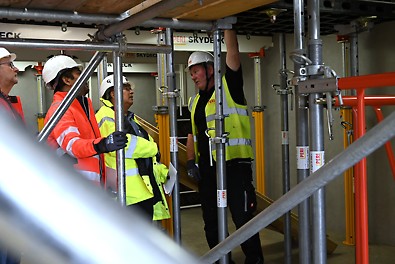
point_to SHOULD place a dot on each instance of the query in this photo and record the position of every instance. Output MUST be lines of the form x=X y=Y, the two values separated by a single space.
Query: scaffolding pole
x=172 y=102
x=302 y=136
x=316 y=122
x=219 y=141
x=119 y=125
x=285 y=148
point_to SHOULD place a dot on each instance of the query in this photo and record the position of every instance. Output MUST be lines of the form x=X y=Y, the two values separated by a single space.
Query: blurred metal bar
x=53 y=215
x=364 y=146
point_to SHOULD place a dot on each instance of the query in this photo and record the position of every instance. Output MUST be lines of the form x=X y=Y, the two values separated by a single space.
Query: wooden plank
x=142 y=6
x=15 y=3
x=192 y=10
x=115 y=7
x=212 y=10
x=65 y=5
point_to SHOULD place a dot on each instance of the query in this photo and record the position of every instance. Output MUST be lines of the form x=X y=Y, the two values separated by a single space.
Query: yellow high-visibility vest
x=237 y=124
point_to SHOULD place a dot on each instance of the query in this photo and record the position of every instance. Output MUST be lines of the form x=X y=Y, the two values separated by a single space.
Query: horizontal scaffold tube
x=82 y=45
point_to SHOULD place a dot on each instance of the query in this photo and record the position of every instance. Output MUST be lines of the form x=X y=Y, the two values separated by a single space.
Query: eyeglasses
x=11 y=64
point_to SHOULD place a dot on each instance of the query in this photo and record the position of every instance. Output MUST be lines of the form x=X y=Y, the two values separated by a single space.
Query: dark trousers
x=240 y=194
x=146 y=207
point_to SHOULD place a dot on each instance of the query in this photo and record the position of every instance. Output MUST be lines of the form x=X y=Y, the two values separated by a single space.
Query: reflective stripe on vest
x=132 y=146
x=237 y=123
x=104 y=119
x=235 y=142
x=227 y=111
x=69 y=146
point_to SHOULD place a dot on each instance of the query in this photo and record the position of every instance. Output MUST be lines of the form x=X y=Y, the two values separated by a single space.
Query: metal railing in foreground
x=52 y=215
x=372 y=140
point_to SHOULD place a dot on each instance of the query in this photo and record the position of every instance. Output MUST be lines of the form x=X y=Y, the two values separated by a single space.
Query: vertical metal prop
x=257 y=114
x=162 y=117
x=102 y=71
x=317 y=153
x=118 y=107
x=162 y=70
x=354 y=55
x=171 y=76
x=346 y=114
x=220 y=144
x=302 y=140
x=285 y=147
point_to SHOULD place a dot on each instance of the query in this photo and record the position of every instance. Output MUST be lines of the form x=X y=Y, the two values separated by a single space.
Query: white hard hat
x=5 y=53
x=199 y=57
x=108 y=82
x=56 y=64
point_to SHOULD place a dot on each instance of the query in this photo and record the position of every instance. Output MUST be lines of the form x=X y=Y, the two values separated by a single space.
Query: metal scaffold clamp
x=288 y=89
x=122 y=42
x=216 y=140
x=225 y=23
x=165 y=92
x=324 y=81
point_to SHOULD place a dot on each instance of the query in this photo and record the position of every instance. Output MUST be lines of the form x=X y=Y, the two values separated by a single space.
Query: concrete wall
x=375 y=55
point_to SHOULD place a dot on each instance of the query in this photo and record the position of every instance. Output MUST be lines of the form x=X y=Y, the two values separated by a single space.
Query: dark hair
x=58 y=81
x=107 y=94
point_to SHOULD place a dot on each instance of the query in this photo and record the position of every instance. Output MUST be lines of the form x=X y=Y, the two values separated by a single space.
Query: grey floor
x=193 y=240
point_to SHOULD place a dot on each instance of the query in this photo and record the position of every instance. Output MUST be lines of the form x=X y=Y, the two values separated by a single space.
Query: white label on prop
x=317 y=160
x=284 y=137
x=173 y=144
x=302 y=158
x=221 y=198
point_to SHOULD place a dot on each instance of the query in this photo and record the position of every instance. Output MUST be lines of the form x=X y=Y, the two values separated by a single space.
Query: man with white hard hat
x=8 y=78
x=144 y=173
x=77 y=134
x=241 y=197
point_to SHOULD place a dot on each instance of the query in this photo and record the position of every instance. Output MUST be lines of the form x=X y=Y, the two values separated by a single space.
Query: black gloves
x=158 y=156
x=193 y=170
x=115 y=141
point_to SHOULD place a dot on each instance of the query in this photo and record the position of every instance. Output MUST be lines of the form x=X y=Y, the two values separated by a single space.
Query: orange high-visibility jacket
x=8 y=103
x=75 y=134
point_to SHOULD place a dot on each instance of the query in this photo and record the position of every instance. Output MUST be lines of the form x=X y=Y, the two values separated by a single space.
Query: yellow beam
x=259 y=152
